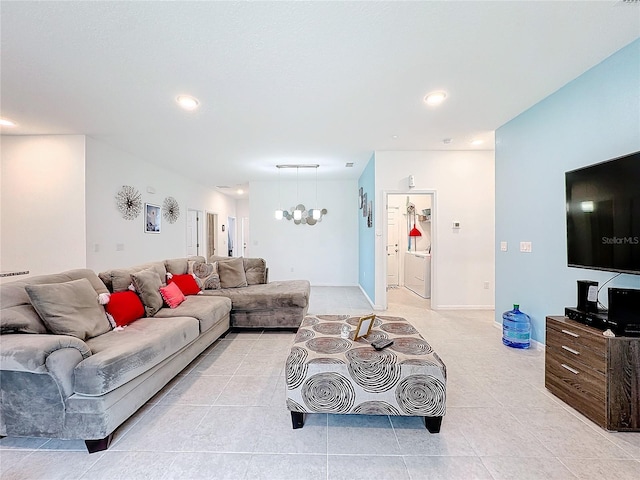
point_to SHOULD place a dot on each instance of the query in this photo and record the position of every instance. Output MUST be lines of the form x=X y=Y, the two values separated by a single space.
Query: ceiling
x=292 y=82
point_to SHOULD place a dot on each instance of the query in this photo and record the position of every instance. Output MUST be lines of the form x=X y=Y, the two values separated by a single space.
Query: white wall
x=325 y=253
x=43 y=203
x=106 y=171
x=463 y=259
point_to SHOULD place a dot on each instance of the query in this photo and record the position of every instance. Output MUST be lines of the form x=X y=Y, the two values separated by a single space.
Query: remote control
x=382 y=343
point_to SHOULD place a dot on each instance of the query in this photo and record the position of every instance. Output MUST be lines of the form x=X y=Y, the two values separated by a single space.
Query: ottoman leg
x=432 y=424
x=297 y=418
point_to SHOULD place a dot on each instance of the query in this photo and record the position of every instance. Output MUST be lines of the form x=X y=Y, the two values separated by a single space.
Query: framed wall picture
x=360 y=193
x=364 y=205
x=364 y=327
x=152 y=218
x=370 y=215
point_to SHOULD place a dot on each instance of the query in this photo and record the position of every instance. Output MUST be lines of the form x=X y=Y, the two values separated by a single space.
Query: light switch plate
x=525 y=247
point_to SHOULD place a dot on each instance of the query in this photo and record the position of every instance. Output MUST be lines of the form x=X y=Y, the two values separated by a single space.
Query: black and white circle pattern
x=421 y=395
x=374 y=371
x=398 y=328
x=328 y=345
x=328 y=392
x=411 y=346
x=309 y=321
x=375 y=408
x=303 y=335
x=296 y=367
x=328 y=328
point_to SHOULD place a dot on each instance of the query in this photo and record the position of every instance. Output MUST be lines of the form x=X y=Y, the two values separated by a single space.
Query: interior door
x=393 y=214
x=193 y=233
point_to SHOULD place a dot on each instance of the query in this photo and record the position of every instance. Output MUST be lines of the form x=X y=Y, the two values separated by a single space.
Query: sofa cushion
x=176 y=266
x=255 y=270
x=121 y=355
x=200 y=307
x=207 y=273
x=232 y=273
x=69 y=308
x=172 y=295
x=125 y=307
x=119 y=279
x=18 y=314
x=286 y=293
x=187 y=284
x=147 y=284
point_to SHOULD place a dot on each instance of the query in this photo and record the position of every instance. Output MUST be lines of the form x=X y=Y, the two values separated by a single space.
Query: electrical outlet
x=525 y=247
x=503 y=246
x=486 y=285
x=119 y=247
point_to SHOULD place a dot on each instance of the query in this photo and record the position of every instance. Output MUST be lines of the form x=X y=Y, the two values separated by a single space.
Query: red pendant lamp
x=414 y=232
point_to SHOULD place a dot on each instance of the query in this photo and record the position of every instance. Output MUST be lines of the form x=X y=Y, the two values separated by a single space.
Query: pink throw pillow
x=172 y=295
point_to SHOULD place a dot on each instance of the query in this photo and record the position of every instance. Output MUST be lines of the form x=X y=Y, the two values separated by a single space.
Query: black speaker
x=587 y=296
x=624 y=311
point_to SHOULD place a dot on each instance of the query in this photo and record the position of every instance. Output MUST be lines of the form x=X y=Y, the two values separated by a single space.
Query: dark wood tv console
x=598 y=376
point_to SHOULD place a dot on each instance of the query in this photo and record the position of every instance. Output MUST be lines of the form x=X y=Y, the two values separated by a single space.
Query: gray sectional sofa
x=65 y=373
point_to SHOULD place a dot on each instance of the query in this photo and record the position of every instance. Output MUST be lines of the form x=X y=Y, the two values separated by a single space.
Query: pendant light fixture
x=299 y=213
x=414 y=232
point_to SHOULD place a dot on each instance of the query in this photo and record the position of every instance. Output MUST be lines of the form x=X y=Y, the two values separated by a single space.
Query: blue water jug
x=516 y=328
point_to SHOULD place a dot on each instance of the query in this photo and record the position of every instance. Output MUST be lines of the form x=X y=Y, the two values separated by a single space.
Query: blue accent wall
x=366 y=235
x=591 y=119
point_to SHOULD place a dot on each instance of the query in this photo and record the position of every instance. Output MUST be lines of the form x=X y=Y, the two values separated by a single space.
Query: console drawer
x=576 y=349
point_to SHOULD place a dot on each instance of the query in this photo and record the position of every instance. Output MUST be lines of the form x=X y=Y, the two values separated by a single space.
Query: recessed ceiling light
x=187 y=102
x=239 y=191
x=348 y=164
x=395 y=137
x=435 y=98
x=5 y=122
x=477 y=141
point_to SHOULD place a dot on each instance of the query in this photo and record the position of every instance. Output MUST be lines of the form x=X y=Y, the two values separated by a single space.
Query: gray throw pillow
x=176 y=266
x=232 y=273
x=256 y=270
x=147 y=283
x=69 y=308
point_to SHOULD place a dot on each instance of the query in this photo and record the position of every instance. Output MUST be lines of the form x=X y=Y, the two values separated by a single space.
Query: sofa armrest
x=23 y=352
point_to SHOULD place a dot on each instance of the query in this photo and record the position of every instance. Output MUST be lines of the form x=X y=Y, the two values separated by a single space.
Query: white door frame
x=434 y=240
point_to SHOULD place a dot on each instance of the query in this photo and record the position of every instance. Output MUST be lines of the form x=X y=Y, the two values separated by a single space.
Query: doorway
x=410 y=259
x=231 y=237
x=212 y=237
x=194 y=232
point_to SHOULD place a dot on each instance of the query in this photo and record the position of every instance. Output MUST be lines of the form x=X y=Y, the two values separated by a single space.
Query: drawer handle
x=572 y=370
x=570 y=333
x=575 y=352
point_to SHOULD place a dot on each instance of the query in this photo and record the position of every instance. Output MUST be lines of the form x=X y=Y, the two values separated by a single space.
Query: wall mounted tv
x=603 y=215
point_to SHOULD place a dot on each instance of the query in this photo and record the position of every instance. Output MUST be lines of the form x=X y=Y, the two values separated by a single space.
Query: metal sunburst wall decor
x=170 y=210
x=129 y=202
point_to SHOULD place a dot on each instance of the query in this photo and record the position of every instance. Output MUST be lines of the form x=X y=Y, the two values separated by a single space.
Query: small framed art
x=364 y=326
x=152 y=218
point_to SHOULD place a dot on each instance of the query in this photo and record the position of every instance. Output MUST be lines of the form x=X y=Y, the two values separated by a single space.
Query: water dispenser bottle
x=516 y=328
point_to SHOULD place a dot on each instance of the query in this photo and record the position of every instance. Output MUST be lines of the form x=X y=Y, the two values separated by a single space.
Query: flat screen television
x=603 y=215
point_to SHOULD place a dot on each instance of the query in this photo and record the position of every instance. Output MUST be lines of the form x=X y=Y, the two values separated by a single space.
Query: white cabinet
x=417 y=273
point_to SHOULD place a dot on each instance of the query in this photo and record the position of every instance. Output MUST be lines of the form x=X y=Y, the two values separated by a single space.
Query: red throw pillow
x=172 y=295
x=125 y=307
x=186 y=283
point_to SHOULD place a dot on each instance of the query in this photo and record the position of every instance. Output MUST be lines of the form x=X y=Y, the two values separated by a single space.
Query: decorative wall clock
x=129 y=202
x=170 y=210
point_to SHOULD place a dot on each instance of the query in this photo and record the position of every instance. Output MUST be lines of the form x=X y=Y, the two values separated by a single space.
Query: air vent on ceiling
x=629 y=2
x=223 y=186
x=349 y=164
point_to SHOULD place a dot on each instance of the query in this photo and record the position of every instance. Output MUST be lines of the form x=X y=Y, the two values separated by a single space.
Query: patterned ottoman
x=330 y=374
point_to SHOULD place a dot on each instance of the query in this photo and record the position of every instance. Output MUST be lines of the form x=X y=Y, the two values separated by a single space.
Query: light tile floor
x=224 y=417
